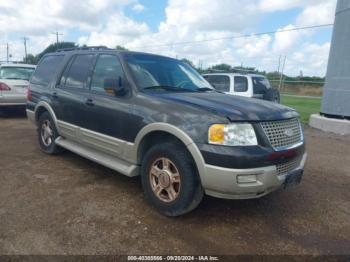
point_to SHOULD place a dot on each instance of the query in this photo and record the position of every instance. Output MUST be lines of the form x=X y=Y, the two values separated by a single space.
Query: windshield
x=22 y=73
x=151 y=71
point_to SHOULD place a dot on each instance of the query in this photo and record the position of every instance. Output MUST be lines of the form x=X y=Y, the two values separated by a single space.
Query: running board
x=104 y=159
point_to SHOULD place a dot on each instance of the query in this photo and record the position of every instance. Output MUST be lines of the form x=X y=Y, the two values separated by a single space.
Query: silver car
x=14 y=80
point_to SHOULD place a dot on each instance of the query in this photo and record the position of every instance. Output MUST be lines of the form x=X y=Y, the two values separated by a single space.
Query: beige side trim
x=175 y=131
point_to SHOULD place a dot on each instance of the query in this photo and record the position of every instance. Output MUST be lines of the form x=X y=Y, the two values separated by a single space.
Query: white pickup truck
x=248 y=85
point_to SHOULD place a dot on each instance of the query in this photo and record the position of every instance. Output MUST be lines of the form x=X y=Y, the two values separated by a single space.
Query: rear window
x=219 y=82
x=260 y=85
x=16 y=73
x=47 y=69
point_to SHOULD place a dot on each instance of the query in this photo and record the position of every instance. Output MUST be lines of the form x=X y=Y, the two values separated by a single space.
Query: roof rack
x=233 y=70
x=100 y=47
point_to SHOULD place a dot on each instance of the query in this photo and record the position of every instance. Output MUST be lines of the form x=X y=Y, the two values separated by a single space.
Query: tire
x=173 y=158
x=272 y=95
x=47 y=145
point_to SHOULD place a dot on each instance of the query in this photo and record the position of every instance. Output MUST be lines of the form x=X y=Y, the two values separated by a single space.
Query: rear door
x=71 y=93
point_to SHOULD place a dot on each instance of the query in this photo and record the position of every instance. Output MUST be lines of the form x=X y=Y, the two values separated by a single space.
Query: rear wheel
x=170 y=180
x=47 y=134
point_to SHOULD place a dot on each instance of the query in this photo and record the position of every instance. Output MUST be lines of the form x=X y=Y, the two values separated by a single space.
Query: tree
x=187 y=61
x=54 y=47
x=121 y=48
x=30 y=59
x=221 y=67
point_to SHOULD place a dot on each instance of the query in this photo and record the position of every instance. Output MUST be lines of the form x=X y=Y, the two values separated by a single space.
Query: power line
x=239 y=36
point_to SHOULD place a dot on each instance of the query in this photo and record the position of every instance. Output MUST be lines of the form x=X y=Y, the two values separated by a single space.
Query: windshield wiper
x=168 y=88
x=203 y=89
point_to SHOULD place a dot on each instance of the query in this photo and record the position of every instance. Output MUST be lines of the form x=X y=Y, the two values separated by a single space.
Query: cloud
x=105 y=22
x=138 y=8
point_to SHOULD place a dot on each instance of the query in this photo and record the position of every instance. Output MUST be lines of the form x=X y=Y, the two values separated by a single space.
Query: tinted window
x=107 y=67
x=219 y=82
x=260 y=85
x=79 y=71
x=47 y=69
x=241 y=84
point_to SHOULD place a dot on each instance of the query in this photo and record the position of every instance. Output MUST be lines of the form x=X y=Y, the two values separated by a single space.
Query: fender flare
x=43 y=104
x=176 y=132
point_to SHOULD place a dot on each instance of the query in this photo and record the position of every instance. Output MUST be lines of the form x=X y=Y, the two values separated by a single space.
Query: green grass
x=305 y=106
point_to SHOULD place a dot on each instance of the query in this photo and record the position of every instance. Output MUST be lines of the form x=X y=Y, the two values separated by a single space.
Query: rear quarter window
x=47 y=69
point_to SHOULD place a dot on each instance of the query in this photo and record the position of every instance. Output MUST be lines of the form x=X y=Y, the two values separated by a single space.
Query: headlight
x=239 y=134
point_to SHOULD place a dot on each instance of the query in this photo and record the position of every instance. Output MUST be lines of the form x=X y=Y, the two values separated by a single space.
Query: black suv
x=155 y=116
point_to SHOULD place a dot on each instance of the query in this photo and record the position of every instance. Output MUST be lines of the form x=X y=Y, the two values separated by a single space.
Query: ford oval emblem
x=289 y=132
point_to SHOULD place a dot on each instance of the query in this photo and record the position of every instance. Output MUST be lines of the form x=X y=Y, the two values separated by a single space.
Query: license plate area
x=293 y=178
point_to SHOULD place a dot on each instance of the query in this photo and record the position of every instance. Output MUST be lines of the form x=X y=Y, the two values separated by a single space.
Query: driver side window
x=107 y=68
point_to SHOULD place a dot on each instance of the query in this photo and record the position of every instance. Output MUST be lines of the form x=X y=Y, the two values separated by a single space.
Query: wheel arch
x=43 y=106
x=169 y=131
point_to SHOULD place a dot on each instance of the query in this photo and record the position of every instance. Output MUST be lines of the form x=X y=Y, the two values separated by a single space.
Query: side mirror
x=114 y=85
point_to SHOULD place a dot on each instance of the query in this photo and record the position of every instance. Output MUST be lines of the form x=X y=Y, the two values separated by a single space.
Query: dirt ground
x=68 y=205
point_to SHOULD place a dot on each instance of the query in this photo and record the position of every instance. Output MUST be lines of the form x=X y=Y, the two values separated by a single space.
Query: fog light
x=245 y=179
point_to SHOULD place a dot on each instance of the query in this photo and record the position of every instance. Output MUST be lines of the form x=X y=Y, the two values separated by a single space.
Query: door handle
x=89 y=102
x=54 y=95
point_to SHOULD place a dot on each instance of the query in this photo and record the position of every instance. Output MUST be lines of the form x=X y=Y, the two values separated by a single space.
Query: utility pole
x=25 y=48
x=7 y=52
x=279 y=64
x=281 y=79
x=57 y=40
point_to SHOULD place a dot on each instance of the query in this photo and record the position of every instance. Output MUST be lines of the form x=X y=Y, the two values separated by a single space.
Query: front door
x=108 y=114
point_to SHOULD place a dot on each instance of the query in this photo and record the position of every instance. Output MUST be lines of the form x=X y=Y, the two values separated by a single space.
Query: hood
x=235 y=108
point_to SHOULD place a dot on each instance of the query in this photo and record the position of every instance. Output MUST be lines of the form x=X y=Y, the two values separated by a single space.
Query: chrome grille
x=288 y=166
x=283 y=133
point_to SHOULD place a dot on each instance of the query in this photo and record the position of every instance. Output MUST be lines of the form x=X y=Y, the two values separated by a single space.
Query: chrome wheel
x=46 y=133
x=165 y=179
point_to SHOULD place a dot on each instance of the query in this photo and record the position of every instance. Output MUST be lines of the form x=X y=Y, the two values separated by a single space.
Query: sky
x=159 y=26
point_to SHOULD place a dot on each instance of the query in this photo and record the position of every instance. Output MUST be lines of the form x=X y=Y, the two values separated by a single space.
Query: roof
x=17 y=65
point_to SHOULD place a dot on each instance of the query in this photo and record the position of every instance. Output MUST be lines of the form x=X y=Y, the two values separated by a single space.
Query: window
x=219 y=82
x=241 y=84
x=153 y=70
x=47 y=69
x=260 y=85
x=79 y=71
x=107 y=67
x=12 y=72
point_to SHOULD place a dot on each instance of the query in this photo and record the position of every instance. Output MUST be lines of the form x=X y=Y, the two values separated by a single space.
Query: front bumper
x=223 y=182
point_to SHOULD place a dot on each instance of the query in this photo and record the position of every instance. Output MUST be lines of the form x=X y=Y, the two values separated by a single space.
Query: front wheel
x=170 y=180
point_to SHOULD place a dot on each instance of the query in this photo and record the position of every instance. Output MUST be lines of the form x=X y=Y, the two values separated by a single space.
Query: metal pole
x=25 y=49
x=279 y=64
x=7 y=52
x=281 y=78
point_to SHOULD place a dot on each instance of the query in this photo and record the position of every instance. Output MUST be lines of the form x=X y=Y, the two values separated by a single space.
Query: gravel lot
x=68 y=205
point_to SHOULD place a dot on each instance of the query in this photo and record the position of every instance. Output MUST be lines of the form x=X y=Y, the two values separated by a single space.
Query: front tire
x=47 y=134
x=170 y=179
